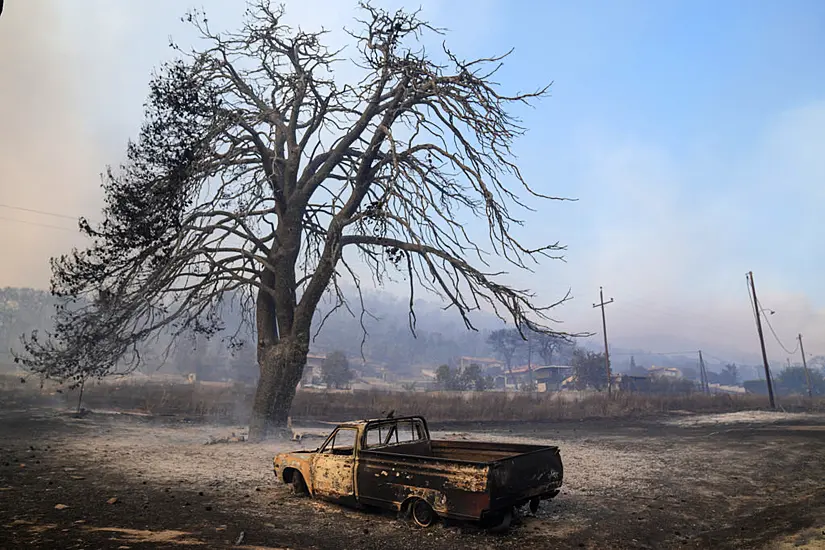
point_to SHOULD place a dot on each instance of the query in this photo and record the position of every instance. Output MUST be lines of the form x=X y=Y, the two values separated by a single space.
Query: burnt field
x=733 y=480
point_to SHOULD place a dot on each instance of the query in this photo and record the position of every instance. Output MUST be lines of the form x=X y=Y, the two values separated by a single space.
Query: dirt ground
x=740 y=480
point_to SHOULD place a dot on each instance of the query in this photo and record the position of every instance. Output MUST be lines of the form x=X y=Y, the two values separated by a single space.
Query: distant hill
x=439 y=336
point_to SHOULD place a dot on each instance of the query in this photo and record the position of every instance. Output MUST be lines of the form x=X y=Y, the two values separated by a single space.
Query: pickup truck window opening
x=394 y=433
x=342 y=442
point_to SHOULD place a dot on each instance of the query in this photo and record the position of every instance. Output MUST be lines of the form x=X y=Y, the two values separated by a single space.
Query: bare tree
x=256 y=170
x=506 y=343
x=548 y=345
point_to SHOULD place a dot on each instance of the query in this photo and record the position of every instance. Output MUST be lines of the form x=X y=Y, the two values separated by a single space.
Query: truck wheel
x=298 y=485
x=422 y=513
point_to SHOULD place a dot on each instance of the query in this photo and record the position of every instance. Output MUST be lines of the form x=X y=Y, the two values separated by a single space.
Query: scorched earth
x=740 y=480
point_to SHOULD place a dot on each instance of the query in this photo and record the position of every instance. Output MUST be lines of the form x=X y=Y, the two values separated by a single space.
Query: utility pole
x=703 y=375
x=530 y=360
x=601 y=304
x=758 y=313
x=805 y=366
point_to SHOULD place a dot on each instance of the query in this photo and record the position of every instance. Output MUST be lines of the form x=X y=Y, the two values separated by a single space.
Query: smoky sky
x=47 y=160
x=668 y=228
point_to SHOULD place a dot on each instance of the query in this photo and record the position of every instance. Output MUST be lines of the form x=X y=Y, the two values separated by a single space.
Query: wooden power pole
x=758 y=313
x=703 y=375
x=805 y=366
x=530 y=361
x=601 y=304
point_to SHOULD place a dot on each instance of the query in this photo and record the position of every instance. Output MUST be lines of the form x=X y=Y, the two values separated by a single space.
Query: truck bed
x=466 y=479
x=464 y=451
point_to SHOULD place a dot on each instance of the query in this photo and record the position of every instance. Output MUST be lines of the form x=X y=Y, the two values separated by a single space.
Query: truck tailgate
x=517 y=478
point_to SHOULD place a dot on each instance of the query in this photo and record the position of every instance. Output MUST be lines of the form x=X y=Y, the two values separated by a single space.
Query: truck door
x=333 y=468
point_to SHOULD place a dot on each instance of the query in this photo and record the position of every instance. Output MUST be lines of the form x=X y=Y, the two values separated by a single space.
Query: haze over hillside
x=440 y=338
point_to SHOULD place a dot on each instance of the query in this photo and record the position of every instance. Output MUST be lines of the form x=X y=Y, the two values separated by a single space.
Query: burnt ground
x=741 y=480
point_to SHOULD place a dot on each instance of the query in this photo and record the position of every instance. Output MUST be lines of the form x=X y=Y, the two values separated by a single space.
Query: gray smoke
x=47 y=159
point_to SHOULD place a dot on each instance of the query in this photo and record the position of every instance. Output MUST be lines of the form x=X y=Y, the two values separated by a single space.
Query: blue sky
x=692 y=133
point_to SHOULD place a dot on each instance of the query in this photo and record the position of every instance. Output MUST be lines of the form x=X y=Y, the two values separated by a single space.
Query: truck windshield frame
x=394 y=432
x=345 y=446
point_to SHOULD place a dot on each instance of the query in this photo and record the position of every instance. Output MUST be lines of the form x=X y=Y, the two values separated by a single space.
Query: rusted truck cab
x=328 y=471
x=392 y=463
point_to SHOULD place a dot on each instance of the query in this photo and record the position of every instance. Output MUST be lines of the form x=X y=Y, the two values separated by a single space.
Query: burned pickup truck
x=392 y=463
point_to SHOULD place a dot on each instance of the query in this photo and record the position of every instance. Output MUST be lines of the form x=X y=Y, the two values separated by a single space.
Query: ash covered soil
x=739 y=480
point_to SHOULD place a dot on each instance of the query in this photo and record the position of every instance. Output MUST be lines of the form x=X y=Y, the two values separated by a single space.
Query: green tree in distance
x=335 y=371
x=589 y=369
x=506 y=343
x=729 y=375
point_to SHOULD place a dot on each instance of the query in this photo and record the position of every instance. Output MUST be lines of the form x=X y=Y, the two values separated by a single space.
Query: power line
x=39 y=224
x=725 y=361
x=35 y=211
x=647 y=311
x=657 y=353
x=775 y=335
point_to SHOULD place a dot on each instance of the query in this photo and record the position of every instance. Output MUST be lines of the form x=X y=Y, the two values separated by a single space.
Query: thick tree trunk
x=283 y=333
x=282 y=365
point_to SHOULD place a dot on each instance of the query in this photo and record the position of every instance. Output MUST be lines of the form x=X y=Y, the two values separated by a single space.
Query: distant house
x=719 y=388
x=547 y=377
x=386 y=375
x=370 y=383
x=485 y=363
x=551 y=377
x=312 y=369
x=428 y=375
x=665 y=372
x=516 y=376
x=631 y=383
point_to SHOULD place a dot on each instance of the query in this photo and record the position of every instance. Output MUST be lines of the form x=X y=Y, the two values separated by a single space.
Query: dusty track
x=732 y=481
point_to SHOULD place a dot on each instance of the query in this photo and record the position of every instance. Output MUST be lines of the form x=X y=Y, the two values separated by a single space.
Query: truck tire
x=422 y=513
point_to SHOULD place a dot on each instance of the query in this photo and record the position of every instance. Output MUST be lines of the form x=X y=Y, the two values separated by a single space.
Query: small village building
x=665 y=372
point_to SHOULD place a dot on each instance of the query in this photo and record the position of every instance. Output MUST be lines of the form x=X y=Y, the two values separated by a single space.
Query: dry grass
x=232 y=402
x=496 y=406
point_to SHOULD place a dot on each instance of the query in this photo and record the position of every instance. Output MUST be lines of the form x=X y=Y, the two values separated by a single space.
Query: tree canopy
x=257 y=169
x=335 y=371
x=589 y=369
